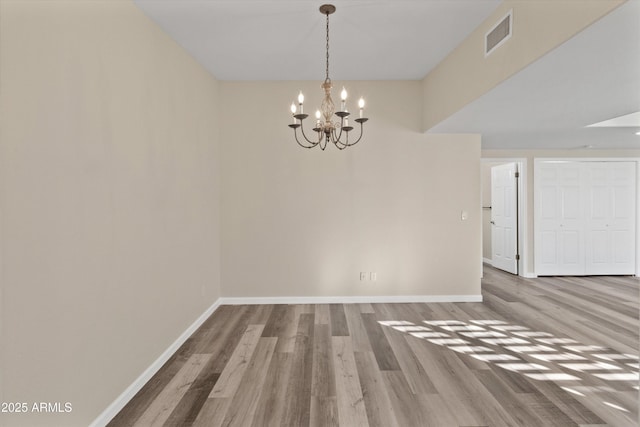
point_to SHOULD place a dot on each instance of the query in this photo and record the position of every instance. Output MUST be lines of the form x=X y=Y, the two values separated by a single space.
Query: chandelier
x=326 y=130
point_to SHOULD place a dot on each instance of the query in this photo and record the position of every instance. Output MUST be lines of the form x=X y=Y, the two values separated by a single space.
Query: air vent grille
x=499 y=34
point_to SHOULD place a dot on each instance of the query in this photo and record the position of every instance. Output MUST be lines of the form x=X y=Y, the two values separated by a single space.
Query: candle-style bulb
x=318 y=114
x=361 y=103
x=300 y=98
x=293 y=108
x=343 y=94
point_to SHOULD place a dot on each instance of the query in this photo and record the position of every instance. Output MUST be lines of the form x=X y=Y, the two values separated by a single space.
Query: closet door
x=610 y=217
x=559 y=207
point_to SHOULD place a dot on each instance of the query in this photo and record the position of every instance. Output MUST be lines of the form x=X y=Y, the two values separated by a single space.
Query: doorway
x=504 y=218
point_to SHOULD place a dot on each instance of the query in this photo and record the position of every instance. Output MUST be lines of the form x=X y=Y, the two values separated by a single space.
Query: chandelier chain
x=327 y=78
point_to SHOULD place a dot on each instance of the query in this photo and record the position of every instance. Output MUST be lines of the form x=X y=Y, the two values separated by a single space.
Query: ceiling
x=285 y=39
x=594 y=76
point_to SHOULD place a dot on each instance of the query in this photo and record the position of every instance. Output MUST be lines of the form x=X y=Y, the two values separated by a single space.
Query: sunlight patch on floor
x=614 y=406
x=515 y=348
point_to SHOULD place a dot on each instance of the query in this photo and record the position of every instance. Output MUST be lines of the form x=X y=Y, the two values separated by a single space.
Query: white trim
x=523 y=215
x=124 y=398
x=585 y=159
x=637 y=217
x=351 y=300
x=487 y=261
x=530 y=275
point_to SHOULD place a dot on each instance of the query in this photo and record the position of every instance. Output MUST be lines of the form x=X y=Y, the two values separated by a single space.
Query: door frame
x=537 y=160
x=523 y=222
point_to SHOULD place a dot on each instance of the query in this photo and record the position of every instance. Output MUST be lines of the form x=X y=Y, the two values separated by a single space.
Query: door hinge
x=517 y=174
x=517 y=257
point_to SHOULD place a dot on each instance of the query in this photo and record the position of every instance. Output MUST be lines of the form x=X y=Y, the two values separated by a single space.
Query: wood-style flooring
x=537 y=352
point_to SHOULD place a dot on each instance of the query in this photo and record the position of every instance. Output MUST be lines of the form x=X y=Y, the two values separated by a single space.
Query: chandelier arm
x=342 y=144
x=359 y=136
x=295 y=133
x=338 y=141
x=313 y=144
x=335 y=138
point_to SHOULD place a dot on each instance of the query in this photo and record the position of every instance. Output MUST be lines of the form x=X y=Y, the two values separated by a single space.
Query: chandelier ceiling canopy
x=326 y=128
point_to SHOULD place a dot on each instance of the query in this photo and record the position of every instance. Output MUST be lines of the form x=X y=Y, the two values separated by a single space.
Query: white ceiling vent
x=499 y=34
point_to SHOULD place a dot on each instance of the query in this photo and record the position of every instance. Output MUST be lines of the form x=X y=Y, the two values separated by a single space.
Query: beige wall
x=538 y=27
x=530 y=155
x=109 y=201
x=299 y=222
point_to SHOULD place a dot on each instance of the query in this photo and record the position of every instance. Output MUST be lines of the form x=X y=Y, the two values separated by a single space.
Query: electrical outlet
x=373 y=276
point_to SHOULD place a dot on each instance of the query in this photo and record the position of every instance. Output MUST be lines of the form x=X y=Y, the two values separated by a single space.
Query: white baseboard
x=487 y=261
x=351 y=300
x=124 y=398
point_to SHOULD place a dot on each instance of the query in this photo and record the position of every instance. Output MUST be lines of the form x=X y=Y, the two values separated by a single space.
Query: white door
x=559 y=243
x=585 y=218
x=610 y=222
x=504 y=217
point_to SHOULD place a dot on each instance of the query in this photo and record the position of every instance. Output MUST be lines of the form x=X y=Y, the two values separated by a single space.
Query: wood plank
x=260 y=314
x=417 y=378
x=297 y=410
x=270 y=409
x=324 y=412
x=517 y=404
x=408 y=409
x=276 y=322
x=339 y=327
x=212 y=413
x=439 y=413
x=380 y=413
x=358 y=333
x=366 y=308
x=323 y=383
x=187 y=410
x=221 y=341
x=145 y=397
x=160 y=410
x=282 y=324
x=241 y=410
x=455 y=382
x=322 y=314
x=232 y=374
x=351 y=409
x=379 y=344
